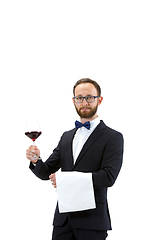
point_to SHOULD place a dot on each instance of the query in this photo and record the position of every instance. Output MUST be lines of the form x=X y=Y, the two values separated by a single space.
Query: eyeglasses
x=89 y=99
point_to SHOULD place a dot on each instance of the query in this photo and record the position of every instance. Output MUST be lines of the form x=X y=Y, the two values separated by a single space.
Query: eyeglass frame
x=85 y=99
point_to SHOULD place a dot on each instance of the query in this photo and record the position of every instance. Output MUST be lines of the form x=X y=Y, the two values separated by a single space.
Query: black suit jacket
x=102 y=155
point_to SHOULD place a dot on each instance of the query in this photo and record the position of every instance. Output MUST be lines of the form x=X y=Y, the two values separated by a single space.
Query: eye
x=89 y=97
x=78 y=98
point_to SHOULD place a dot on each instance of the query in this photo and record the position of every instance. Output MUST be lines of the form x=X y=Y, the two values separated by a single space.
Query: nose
x=84 y=103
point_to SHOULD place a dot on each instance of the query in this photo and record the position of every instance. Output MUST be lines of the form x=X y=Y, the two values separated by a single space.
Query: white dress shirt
x=81 y=137
x=75 y=189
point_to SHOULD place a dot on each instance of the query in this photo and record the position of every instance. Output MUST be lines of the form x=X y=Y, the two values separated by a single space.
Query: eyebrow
x=89 y=95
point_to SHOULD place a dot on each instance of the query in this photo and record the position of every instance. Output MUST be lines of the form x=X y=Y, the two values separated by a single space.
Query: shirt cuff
x=34 y=164
x=75 y=191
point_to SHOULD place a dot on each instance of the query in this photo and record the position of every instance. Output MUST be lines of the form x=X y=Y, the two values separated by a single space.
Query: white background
x=45 y=47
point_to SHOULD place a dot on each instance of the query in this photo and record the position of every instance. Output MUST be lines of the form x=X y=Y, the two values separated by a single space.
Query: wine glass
x=33 y=131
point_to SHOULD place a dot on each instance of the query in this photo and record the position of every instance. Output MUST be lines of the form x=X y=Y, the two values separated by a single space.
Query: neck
x=83 y=120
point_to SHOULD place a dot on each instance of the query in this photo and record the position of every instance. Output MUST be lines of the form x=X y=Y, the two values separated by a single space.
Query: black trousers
x=67 y=232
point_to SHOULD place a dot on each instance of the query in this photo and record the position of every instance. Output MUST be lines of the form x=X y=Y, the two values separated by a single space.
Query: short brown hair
x=87 y=80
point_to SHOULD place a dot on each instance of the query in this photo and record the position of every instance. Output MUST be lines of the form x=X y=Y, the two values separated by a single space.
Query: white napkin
x=75 y=191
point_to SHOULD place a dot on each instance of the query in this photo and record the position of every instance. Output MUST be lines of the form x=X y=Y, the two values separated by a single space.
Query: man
x=90 y=148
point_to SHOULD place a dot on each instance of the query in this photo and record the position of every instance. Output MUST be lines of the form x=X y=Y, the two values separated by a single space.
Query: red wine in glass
x=33 y=135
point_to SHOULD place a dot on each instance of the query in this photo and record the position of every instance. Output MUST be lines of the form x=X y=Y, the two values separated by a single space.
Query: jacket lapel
x=68 y=142
x=93 y=137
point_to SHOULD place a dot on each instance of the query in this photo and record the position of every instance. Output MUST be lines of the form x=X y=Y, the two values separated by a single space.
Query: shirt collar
x=94 y=123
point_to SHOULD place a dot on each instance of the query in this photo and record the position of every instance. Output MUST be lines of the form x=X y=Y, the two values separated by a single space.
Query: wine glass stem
x=35 y=157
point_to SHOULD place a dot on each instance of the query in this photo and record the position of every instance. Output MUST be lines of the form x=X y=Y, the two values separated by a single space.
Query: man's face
x=85 y=109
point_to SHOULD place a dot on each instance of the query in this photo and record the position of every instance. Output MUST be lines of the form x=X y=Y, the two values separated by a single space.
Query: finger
x=30 y=153
x=54 y=184
x=29 y=156
x=33 y=150
x=51 y=176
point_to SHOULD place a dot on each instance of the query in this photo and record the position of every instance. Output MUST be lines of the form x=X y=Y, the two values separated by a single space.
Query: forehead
x=85 y=89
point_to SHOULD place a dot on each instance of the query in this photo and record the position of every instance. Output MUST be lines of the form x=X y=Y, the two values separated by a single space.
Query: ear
x=100 y=100
x=73 y=100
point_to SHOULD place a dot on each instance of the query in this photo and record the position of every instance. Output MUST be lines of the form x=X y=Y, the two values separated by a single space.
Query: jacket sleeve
x=111 y=162
x=43 y=169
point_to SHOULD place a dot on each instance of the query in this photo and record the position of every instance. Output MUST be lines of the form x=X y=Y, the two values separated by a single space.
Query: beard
x=87 y=114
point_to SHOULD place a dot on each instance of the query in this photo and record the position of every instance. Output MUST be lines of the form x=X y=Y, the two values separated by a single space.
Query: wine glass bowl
x=33 y=135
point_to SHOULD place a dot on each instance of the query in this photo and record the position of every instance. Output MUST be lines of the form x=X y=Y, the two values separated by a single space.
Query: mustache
x=85 y=107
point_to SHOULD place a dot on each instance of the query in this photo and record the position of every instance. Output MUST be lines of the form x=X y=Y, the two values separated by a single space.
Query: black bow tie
x=79 y=125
